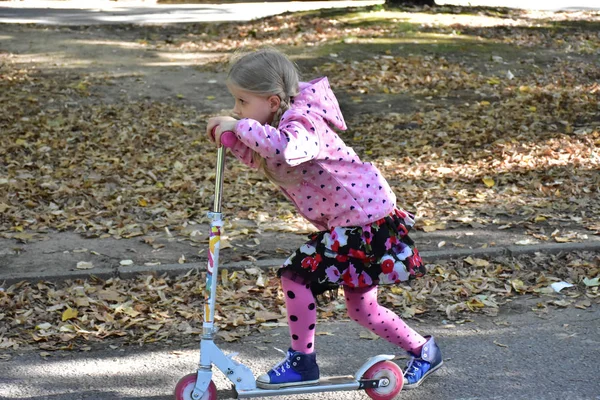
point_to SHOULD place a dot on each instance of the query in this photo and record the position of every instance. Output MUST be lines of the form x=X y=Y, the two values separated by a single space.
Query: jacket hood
x=316 y=97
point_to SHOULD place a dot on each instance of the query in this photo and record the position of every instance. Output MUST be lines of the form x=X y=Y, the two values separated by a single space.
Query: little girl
x=285 y=128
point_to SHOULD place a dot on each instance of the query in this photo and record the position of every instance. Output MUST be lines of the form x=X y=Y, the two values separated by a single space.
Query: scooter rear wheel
x=185 y=387
x=385 y=370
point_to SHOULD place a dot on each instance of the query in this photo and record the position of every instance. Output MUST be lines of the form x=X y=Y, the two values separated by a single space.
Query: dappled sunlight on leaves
x=538 y=140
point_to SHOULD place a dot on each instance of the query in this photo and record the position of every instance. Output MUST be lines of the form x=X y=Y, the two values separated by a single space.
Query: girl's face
x=251 y=105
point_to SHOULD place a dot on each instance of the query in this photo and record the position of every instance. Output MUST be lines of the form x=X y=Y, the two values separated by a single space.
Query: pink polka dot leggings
x=362 y=307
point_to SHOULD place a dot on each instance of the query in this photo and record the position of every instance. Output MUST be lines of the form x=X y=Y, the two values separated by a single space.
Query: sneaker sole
x=415 y=385
x=263 y=385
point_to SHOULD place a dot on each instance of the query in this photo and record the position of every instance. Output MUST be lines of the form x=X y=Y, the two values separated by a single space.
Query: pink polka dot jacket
x=324 y=178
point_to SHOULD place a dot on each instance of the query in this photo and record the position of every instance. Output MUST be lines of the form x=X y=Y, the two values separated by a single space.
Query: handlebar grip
x=228 y=138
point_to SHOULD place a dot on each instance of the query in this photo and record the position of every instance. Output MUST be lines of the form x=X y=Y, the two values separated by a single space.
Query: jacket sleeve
x=244 y=154
x=294 y=142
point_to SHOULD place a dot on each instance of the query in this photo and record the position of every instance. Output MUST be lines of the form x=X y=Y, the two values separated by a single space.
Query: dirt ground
x=126 y=68
x=169 y=63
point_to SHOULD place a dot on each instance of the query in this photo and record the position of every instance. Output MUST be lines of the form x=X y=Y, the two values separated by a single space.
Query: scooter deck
x=327 y=384
x=336 y=380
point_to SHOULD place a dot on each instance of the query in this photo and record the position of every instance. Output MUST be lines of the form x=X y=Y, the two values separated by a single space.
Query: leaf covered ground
x=485 y=118
x=76 y=315
x=478 y=117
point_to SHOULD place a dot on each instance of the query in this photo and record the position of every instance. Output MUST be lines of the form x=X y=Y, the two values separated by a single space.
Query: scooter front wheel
x=392 y=378
x=185 y=387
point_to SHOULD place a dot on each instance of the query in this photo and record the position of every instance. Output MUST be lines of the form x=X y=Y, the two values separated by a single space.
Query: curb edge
x=177 y=269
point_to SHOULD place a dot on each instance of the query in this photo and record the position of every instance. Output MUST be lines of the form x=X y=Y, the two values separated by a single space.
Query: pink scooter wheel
x=185 y=387
x=385 y=370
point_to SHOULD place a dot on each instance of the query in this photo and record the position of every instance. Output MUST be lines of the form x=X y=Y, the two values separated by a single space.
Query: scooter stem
x=219 y=179
x=216 y=223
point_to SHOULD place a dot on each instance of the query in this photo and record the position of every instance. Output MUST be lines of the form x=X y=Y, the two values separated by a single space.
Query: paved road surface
x=98 y=12
x=148 y=12
x=519 y=355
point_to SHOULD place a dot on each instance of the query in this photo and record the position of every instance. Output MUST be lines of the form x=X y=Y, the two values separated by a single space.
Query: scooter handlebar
x=228 y=138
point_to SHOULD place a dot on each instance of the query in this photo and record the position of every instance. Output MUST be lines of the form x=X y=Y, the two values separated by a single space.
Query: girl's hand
x=222 y=124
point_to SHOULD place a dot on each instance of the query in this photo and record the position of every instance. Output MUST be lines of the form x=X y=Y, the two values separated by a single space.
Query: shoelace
x=412 y=367
x=285 y=363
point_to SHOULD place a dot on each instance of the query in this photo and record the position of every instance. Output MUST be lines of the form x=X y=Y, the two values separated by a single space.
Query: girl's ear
x=274 y=102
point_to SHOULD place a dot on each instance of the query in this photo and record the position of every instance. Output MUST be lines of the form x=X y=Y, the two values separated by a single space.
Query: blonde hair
x=266 y=72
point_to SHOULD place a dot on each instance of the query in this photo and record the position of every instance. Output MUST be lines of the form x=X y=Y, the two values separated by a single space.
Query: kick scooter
x=381 y=378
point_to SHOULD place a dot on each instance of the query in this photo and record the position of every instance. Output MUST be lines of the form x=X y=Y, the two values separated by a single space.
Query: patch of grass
x=377 y=17
x=337 y=13
x=495 y=12
x=419 y=43
x=592 y=26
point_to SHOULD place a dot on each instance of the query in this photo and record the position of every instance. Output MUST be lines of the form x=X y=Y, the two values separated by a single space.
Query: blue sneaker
x=419 y=367
x=297 y=369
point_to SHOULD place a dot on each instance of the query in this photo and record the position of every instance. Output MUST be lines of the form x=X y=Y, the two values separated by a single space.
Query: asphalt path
x=520 y=355
x=97 y=12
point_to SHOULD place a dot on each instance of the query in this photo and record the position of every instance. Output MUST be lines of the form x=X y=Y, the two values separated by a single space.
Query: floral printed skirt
x=380 y=253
